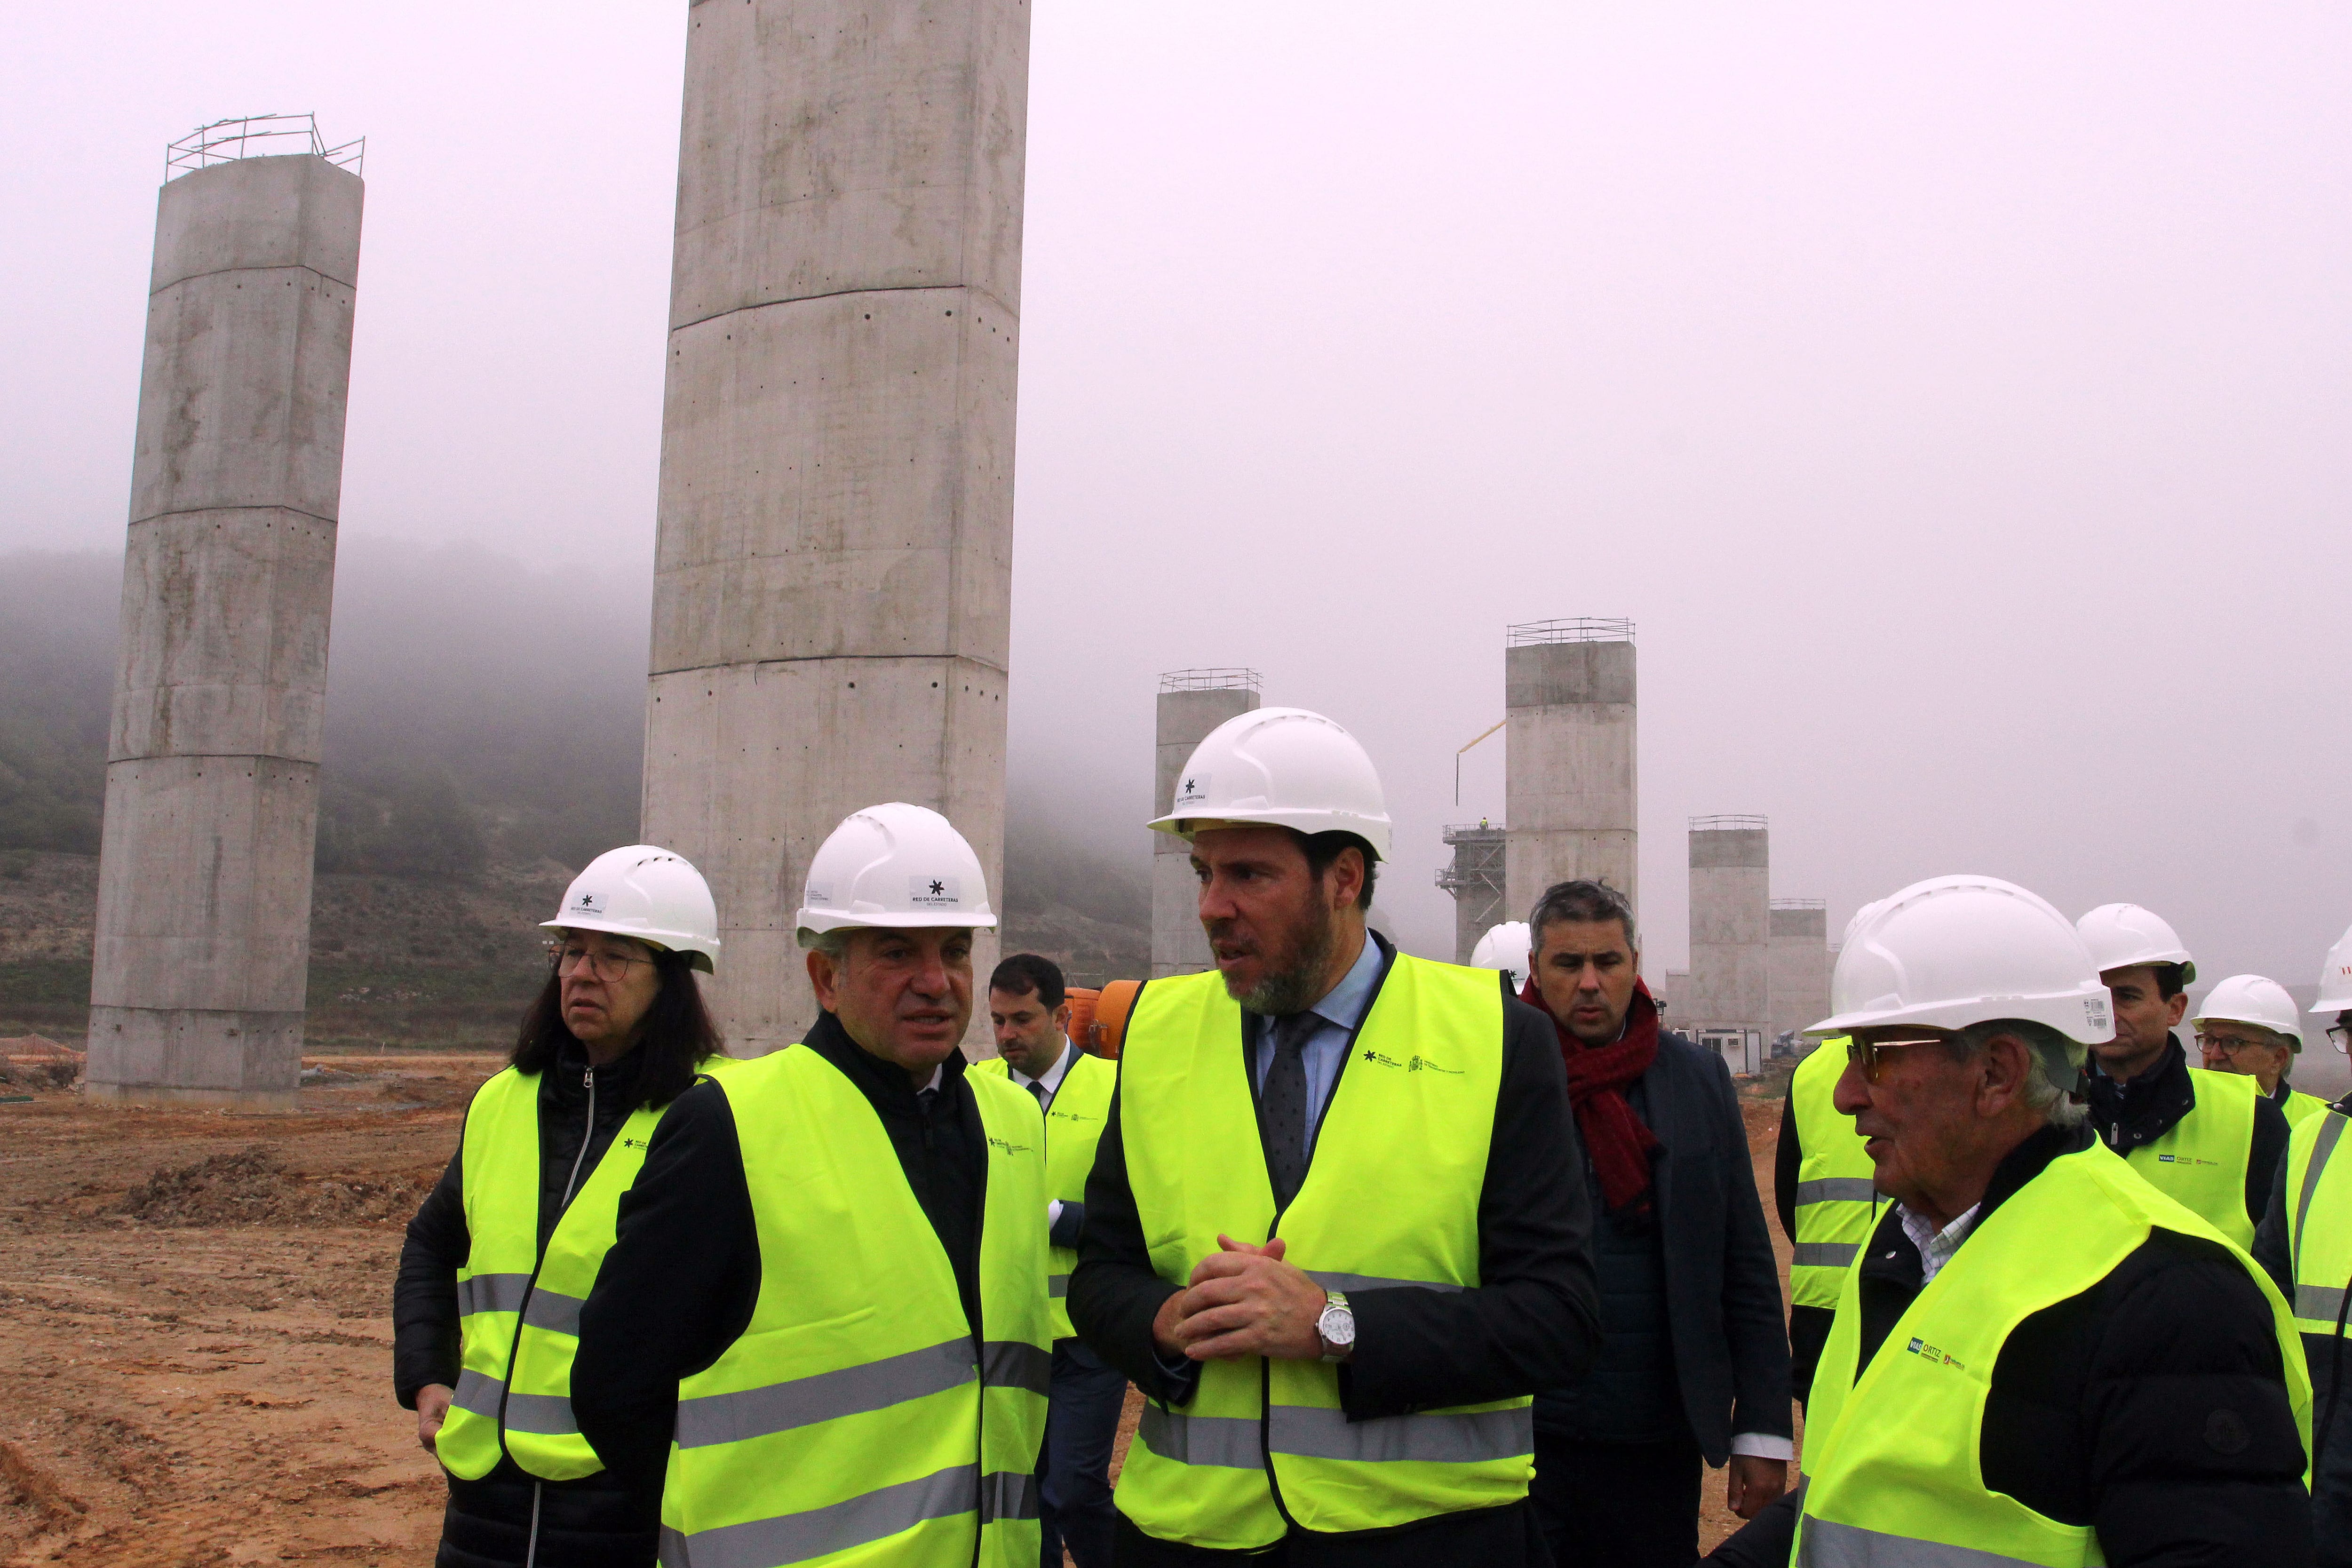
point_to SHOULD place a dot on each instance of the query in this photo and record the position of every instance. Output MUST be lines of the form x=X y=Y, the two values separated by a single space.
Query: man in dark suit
x=1695 y=1360
x=1336 y=1229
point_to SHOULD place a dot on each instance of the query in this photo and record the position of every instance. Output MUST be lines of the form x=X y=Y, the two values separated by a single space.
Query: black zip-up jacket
x=1809 y=1326
x=596 y=1521
x=2325 y=1357
x=679 y=1284
x=2152 y=1407
x=2127 y=1115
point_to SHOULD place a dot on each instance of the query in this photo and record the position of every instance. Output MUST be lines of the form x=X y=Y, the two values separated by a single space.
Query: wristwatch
x=1337 y=1327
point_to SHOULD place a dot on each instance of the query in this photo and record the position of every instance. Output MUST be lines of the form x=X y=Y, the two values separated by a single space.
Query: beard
x=1292 y=978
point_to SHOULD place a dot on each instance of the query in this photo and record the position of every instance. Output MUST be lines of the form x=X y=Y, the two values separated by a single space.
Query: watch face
x=1338 y=1325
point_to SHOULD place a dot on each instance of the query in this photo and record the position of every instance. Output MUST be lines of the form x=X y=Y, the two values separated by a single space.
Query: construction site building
x=1571 y=787
x=1801 y=966
x=1475 y=878
x=833 y=574
x=200 y=966
x=1192 y=703
x=1726 y=1005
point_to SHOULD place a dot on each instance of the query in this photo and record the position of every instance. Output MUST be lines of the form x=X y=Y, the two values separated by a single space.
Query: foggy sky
x=1957 y=402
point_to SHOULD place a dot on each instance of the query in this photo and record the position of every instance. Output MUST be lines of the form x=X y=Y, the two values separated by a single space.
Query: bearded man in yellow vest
x=2039 y=1358
x=2209 y=1139
x=822 y=1321
x=1337 y=1229
x=1028 y=1010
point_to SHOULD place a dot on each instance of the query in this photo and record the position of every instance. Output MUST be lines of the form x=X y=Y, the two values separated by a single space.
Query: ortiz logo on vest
x=1929 y=1352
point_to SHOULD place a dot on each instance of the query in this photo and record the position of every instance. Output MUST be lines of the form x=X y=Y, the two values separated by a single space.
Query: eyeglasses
x=570 y=960
x=1869 y=1056
x=2336 y=1033
x=2221 y=1046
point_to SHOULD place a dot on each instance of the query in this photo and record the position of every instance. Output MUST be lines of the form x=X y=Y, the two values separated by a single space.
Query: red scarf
x=1614 y=1139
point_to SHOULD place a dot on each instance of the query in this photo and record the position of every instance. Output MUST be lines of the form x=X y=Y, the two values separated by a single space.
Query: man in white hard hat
x=2208 y=1139
x=2248 y=1025
x=2039 y=1359
x=1505 y=947
x=1337 y=1228
x=2335 y=995
x=825 y=1308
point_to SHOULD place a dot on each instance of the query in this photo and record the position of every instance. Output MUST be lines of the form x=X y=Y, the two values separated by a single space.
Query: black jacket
x=1729 y=1348
x=1532 y=1324
x=2151 y=1408
x=679 y=1284
x=2127 y=1115
x=2325 y=1358
x=592 y=1521
x=1809 y=1326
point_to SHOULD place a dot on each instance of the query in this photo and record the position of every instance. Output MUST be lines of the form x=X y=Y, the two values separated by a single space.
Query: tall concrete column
x=1730 y=925
x=200 y=967
x=1475 y=878
x=1570 y=785
x=1800 y=964
x=833 y=571
x=1192 y=703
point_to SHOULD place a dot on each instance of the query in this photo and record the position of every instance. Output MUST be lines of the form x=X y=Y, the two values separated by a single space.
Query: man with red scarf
x=1694 y=1362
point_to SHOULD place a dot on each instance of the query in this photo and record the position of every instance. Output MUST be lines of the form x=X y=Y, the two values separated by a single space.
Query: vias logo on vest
x=1933 y=1356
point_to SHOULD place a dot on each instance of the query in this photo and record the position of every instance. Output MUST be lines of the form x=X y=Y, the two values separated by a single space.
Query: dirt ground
x=195 y=1341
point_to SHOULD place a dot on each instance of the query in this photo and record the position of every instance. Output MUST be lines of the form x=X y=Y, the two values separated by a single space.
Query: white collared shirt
x=1054 y=1075
x=1936 y=1247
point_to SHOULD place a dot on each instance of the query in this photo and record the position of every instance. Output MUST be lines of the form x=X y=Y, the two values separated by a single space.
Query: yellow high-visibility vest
x=2318 y=1204
x=2201 y=1162
x=2299 y=1108
x=1837 y=1203
x=519 y=1312
x=858 y=1413
x=1390 y=1198
x=1891 y=1461
x=1073 y=1125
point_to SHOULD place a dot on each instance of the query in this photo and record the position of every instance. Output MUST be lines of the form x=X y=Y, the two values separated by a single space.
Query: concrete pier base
x=1192 y=703
x=1571 y=783
x=201 y=948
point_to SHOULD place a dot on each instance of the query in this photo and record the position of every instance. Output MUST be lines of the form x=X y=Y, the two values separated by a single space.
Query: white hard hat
x=2125 y=936
x=1956 y=951
x=2336 y=978
x=2251 y=999
x=897 y=865
x=643 y=890
x=1504 y=947
x=1861 y=916
x=1284 y=766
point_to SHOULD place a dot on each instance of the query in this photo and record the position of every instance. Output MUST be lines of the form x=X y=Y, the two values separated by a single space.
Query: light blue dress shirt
x=1340 y=1012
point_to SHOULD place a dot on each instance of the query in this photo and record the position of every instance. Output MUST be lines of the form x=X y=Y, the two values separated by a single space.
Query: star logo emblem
x=938 y=887
x=1188 y=786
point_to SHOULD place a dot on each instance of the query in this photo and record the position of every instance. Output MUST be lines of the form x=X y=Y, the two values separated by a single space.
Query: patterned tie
x=1283 y=1106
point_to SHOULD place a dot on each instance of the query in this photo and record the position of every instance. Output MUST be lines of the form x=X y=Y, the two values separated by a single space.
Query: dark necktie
x=1038 y=1093
x=1284 y=1106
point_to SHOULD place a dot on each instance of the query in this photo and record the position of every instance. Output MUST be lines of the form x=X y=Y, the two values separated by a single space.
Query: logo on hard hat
x=820 y=892
x=586 y=904
x=1193 y=790
x=934 y=893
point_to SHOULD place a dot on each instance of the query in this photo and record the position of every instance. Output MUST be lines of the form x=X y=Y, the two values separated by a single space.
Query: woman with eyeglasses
x=485 y=1312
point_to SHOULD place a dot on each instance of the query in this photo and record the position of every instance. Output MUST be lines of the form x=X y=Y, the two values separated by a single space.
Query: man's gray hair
x=2054 y=1066
x=1582 y=903
x=834 y=944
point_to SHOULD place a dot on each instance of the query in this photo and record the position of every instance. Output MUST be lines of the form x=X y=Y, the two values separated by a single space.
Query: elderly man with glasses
x=2038 y=1358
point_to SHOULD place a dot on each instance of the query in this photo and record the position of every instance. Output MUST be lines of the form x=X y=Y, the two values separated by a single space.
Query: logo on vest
x=635 y=1143
x=1933 y=1356
x=1070 y=1116
x=1003 y=1147
x=2183 y=1160
x=1417 y=1063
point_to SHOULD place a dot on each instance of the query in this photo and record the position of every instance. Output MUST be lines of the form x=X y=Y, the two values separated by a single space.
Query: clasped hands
x=1242 y=1300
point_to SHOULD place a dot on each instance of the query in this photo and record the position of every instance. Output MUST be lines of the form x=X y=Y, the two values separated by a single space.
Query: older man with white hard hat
x=2248 y=1024
x=2209 y=1138
x=1337 y=1226
x=2039 y=1358
x=825 y=1310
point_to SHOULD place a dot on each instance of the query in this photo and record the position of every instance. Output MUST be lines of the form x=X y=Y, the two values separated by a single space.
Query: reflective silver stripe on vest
x=1057 y=1286
x=1311 y=1433
x=1007 y=1496
x=1837 y=1190
x=1346 y=1283
x=492 y=1293
x=804 y=1401
x=2322 y=1147
x=542 y=1415
x=1011 y=1364
x=477 y=1391
x=1824 y=1253
x=1231 y=1441
x=552 y=1311
x=1829 y=1545
x=2321 y=1302
x=797 y=1536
